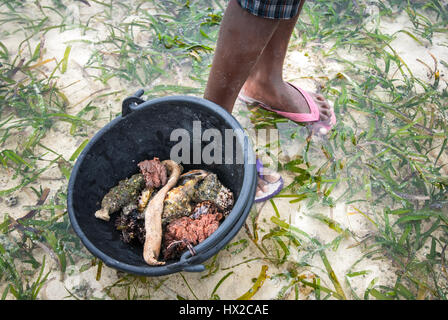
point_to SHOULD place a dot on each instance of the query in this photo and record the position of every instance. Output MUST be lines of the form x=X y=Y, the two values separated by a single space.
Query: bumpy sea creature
x=153 y=216
x=211 y=189
x=178 y=200
x=154 y=173
x=143 y=199
x=127 y=191
x=186 y=232
x=129 y=208
x=204 y=207
x=132 y=227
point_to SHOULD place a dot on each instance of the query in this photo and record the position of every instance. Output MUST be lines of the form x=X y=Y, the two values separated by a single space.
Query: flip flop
x=273 y=187
x=311 y=119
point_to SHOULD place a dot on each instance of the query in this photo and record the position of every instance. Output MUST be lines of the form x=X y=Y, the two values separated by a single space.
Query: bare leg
x=251 y=52
x=242 y=38
x=265 y=82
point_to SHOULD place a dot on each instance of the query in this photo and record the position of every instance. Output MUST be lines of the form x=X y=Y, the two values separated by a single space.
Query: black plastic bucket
x=143 y=131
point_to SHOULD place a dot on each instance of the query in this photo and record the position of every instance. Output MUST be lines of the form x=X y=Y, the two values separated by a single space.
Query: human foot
x=285 y=97
x=263 y=183
x=269 y=183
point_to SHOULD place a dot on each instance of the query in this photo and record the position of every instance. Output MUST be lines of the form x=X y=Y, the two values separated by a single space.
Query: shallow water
x=342 y=189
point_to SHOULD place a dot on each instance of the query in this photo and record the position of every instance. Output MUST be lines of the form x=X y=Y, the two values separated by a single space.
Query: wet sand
x=303 y=67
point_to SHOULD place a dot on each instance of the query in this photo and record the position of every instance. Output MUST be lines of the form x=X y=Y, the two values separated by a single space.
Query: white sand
x=303 y=67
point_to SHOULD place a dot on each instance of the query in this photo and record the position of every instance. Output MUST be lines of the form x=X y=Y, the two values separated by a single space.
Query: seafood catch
x=144 y=199
x=153 y=216
x=211 y=189
x=167 y=214
x=186 y=232
x=178 y=200
x=127 y=191
x=154 y=173
x=196 y=186
x=131 y=226
x=204 y=207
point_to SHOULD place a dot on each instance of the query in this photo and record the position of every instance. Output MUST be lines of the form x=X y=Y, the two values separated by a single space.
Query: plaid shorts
x=272 y=9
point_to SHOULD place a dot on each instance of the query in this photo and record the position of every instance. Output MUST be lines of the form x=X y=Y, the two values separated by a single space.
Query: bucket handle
x=194 y=268
x=184 y=265
x=131 y=102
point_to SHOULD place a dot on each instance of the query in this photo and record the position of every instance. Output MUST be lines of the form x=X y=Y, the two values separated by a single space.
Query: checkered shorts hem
x=271 y=9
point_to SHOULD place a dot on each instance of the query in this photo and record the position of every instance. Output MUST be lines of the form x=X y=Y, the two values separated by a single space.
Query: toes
x=325 y=106
x=326 y=114
x=270 y=176
x=323 y=117
x=319 y=97
x=321 y=101
x=262 y=185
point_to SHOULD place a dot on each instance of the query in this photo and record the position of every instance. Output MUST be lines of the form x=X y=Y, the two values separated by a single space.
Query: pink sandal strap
x=313 y=116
